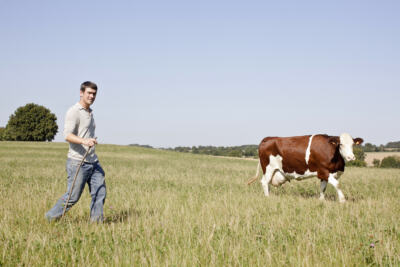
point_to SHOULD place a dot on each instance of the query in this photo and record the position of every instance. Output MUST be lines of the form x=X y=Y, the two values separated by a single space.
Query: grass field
x=166 y=208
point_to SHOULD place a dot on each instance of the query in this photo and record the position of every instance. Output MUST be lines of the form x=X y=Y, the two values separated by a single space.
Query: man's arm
x=71 y=125
x=72 y=138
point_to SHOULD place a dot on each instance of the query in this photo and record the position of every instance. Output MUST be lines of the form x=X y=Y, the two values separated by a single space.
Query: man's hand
x=89 y=142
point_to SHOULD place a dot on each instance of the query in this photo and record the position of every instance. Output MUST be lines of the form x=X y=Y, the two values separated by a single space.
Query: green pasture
x=176 y=209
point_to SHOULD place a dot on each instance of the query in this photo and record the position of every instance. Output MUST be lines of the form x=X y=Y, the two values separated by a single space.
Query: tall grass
x=167 y=208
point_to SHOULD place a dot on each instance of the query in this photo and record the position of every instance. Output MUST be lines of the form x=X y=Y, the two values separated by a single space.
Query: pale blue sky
x=206 y=72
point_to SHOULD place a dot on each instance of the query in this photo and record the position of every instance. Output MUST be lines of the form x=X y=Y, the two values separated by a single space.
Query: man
x=79 y=131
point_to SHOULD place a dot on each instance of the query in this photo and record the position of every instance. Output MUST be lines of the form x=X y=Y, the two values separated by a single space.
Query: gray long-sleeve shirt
x=80 y=122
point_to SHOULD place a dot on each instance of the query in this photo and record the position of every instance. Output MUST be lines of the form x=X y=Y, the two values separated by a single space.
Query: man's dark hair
x=88 y=85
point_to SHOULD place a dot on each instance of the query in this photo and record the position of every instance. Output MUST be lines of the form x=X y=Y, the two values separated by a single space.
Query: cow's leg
x=267 y=179
x=332 y=180
x=323 y=188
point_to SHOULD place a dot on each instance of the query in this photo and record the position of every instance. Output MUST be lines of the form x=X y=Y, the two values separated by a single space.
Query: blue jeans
x=94 y=176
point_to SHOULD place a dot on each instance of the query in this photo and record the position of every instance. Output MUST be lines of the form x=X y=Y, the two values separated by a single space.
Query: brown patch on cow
x=334 y=140
x=293 y=152
x=325 y=156
x=266 y=148
x=291 y=149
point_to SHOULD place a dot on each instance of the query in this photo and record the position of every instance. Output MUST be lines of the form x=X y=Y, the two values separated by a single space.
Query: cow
x=284 y=159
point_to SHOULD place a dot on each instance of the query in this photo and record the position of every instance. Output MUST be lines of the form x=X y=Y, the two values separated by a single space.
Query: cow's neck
x=338 y=160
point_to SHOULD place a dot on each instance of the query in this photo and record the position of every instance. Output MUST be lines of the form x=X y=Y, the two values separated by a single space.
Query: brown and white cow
x=300 y=157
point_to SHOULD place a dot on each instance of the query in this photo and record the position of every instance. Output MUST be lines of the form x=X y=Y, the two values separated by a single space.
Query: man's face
x=88 y=96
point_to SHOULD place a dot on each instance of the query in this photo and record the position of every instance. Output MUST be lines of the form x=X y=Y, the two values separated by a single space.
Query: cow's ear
x=358 y=141
x=334 y=140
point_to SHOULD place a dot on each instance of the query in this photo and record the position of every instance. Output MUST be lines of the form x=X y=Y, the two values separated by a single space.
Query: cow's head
x=345 y=143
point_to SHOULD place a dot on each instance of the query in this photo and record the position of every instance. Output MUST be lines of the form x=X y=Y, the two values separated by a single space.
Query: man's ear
x=358 y=140
x=334 y=140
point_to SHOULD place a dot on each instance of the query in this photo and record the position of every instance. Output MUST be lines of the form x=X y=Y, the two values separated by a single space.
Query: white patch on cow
x=333 y=181
x=278 y=178
x=275 y=163
x=346 y=147
x=275 y=175
x=308 y=151
x=307 y=174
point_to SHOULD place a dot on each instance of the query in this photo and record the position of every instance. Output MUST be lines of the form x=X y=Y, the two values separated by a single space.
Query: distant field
x=370 y=156
x=167 y=208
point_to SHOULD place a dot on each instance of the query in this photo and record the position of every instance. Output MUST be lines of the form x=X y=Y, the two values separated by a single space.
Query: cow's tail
x=252 y=180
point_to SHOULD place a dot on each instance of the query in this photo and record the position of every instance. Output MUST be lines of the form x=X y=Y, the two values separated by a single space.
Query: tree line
x=228 y=151
x=391 y=146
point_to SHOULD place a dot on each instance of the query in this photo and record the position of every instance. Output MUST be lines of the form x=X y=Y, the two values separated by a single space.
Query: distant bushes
x=244 y=151
x=234 y=151
x=390 y=162
x=391 y=146
x=376 y=163
x=137 y=145
x=357 y=163
x=387 y=162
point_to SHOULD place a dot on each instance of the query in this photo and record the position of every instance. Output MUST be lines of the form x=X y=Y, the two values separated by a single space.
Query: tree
x=359 y=153
x=390 y=162
x=368 y=147
x=234 y=153
x=2 y=130
x=195 y=150
x=393 y=144
x=376 y=162
x=31 y=122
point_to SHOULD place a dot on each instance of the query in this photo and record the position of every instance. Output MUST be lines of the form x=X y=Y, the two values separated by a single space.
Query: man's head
x=88 y=94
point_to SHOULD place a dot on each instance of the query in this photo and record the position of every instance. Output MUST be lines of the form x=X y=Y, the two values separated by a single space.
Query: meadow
x=167 y=208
